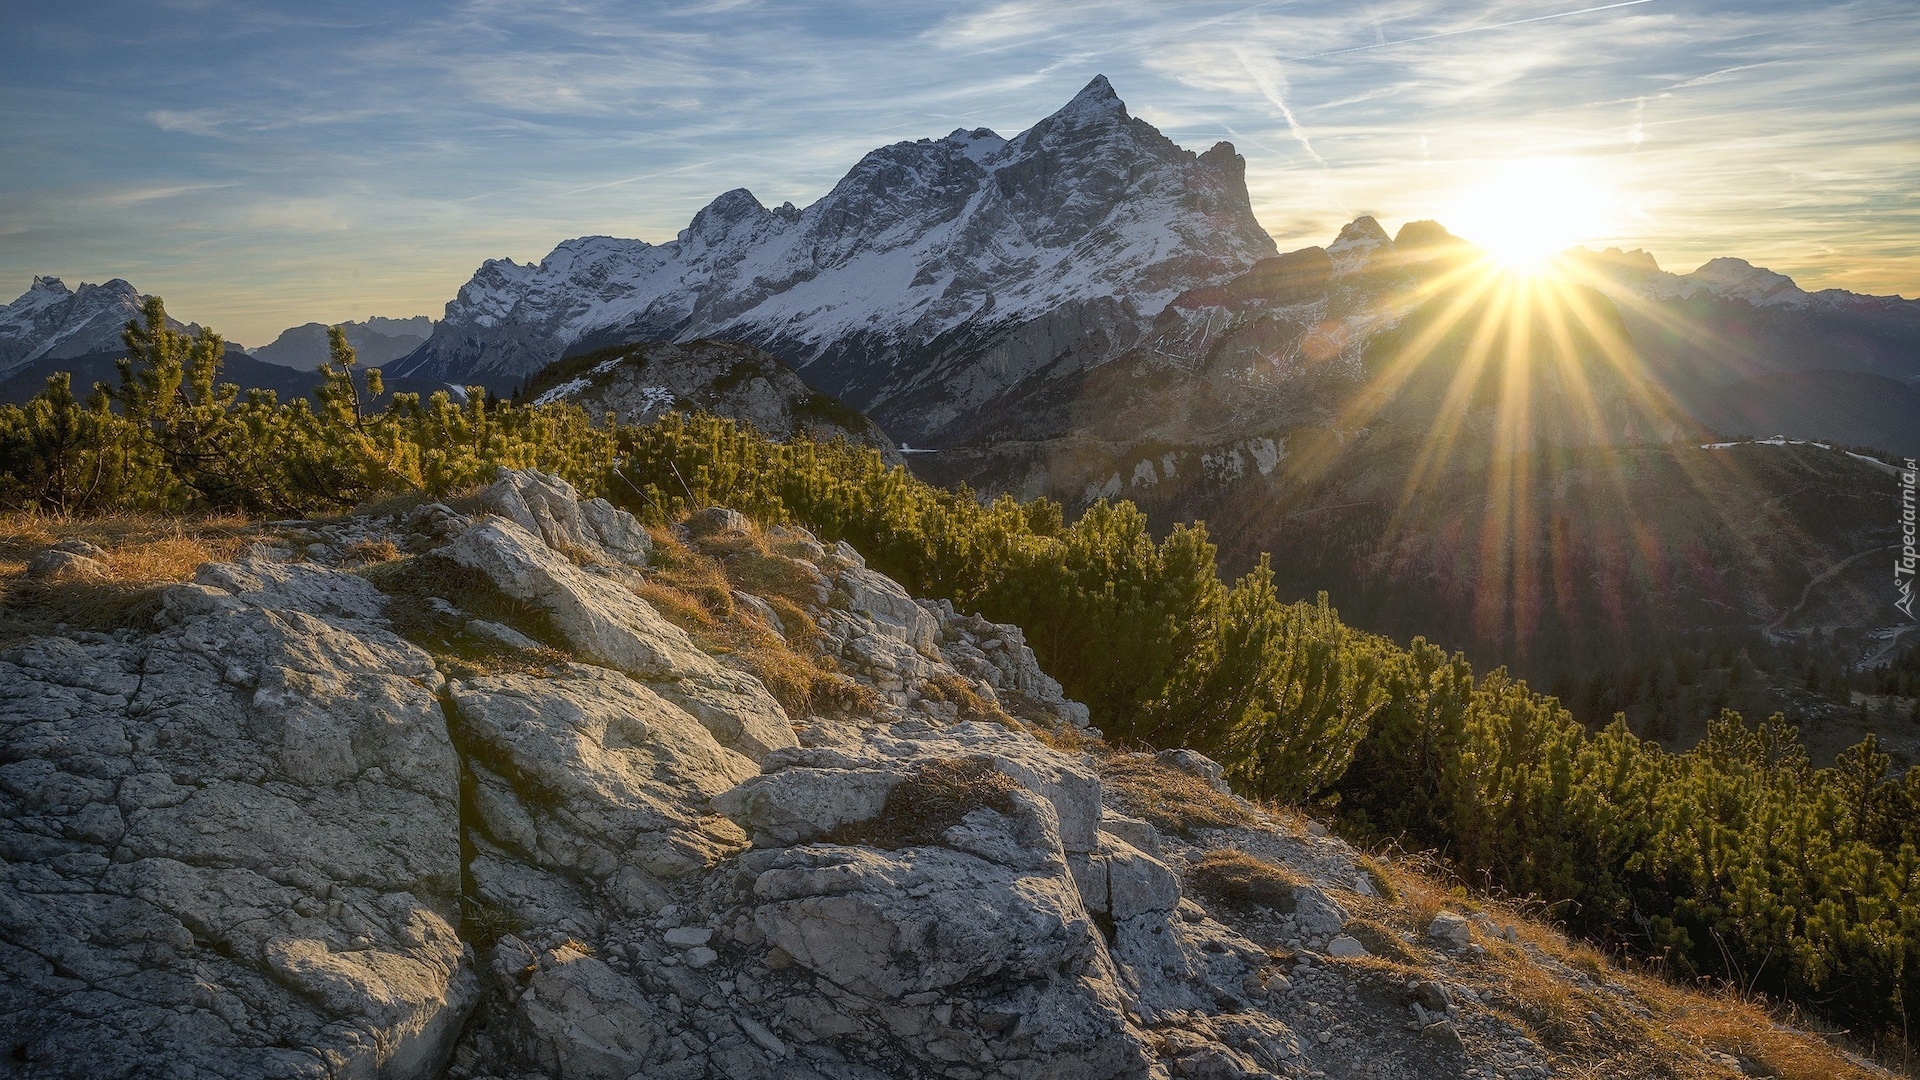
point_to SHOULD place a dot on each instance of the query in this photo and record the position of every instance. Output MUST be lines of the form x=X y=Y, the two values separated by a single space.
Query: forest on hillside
x=1737 y=860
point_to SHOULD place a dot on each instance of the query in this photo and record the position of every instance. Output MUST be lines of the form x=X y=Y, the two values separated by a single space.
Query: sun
x=1523 y=213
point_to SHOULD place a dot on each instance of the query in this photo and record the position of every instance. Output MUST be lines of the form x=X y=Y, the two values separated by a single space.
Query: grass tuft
x=692 y=586
x=932 y=799
x=413 y=585
x=1173 y=800
x=1238 y=880
x=143 y=554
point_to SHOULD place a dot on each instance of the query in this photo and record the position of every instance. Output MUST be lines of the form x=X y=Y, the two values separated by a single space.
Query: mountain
x=376 y=341
x=1498 y=464
x=52 y=328
x=1747 y=351
x=636 y=383
x=934 y=278
x=51 y=322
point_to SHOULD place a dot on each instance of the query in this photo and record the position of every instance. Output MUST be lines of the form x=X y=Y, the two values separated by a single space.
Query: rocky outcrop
x=637 y=382
x=269 y=836
x=231 y=847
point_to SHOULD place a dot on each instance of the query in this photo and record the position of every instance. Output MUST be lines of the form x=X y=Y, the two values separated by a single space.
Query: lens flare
x=1522 y=213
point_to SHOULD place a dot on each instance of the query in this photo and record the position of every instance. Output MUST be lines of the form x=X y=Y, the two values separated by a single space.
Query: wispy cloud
x=263 y=165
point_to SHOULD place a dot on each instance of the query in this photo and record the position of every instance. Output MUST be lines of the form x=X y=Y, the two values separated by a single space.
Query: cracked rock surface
x=269 y=836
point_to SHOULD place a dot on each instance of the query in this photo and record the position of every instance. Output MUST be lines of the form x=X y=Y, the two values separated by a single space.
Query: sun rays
x=1528 y=412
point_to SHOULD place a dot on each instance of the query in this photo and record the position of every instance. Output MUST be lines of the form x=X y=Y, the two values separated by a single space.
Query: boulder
x=56 y=565
x=231 y=845
x=1450 y=930
x=605 y=622
x=920 y=924
x=1195 y=763
x=549 y=507
x=600 y=773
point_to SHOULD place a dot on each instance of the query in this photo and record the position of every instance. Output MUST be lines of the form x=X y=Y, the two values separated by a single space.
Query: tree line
x=1737 y=859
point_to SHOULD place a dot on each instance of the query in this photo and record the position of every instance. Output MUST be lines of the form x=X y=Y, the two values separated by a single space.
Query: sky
x=261 y=165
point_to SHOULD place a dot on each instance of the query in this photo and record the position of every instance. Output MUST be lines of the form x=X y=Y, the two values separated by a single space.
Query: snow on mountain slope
x=925 y=259
x=52 y=321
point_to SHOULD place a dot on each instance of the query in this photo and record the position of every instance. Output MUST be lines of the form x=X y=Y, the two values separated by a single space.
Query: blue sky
x=262 y=165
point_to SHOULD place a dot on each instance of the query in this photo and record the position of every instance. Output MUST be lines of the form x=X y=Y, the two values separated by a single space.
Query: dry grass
x=932 y=799
x=958 y=692
x=1239 y=880
x=1063 y=737
x=415 y=583
x=1536 y=983
x=369 y=552
x=1382 y=941
x=692 y=588
x=484 y=924
x=1173 y=800
x=144 y=553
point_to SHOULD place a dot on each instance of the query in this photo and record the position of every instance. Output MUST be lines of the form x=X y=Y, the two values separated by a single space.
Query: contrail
x=1269 y=87
x=1470 y=30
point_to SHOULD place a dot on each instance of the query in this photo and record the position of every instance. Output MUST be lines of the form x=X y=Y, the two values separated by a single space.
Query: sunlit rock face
x=936 y=276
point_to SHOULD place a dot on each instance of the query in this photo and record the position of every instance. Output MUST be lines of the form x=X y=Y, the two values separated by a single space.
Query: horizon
x=362 y=161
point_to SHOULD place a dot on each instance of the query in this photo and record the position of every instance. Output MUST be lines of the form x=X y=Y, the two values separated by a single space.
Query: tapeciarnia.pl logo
x=1904 y=566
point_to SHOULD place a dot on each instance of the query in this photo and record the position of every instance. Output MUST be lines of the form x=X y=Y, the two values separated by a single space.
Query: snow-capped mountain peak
x=1360 y=242
x=1738 y=279
x=925 y=258
x=50 y=320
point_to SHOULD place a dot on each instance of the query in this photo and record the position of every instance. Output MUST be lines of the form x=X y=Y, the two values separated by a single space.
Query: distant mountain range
x=974 y=287
x=52 y=322
x=375 y=341
x=52 y=328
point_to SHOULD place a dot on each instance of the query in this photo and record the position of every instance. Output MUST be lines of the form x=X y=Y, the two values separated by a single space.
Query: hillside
x=515 y=787
x=638 y=383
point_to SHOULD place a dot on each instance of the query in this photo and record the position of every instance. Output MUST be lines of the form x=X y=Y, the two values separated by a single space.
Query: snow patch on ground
x=562 y=392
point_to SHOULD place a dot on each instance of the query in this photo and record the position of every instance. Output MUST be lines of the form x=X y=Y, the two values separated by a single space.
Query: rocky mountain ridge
x=285 y=832
x=933 y=277
x=638 y=383
x=53 y=322
x=1637 y=273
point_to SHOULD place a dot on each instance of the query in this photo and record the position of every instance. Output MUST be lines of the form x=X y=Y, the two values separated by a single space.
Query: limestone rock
x=1451 y=930
x=601 y=772
x=55 y=565
x=1343 y=947
x=1137 y=883
x=550 y=508
x=231 y=847
x=809 y=792
x=1316 y=914
x=890 y=925
x=1197 y=764
x=579 y=1020
x=607 y=623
